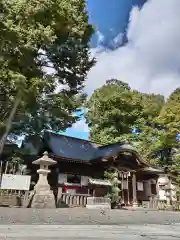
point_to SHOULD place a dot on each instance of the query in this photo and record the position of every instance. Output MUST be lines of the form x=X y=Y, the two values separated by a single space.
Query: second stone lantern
x=43 y=197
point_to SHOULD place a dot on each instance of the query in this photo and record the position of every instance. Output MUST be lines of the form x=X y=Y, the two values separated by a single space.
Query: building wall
x=83 y=172
x=146 y=184
x=82 y=169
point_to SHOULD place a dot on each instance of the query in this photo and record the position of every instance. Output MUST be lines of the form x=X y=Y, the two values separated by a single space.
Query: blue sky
x=79 y=129
x=111 y=19
x=137 y=41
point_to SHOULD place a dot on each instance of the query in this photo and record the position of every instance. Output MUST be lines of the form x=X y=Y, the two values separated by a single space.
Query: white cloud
x=150 y=61
x=80 y=126
x=118 y=39
x=100 y=37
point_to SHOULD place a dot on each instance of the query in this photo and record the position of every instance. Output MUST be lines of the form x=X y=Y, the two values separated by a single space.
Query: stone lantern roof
x=44 y=160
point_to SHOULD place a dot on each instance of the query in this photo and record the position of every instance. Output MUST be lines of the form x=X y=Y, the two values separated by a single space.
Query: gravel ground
x=78 y=216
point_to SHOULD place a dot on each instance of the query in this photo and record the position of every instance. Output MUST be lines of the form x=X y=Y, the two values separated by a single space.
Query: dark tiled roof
x=10 y=148
x=69 y=147
x=78 y=149
x=113 y=149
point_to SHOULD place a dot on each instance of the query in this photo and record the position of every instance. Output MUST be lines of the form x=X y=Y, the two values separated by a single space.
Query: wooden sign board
x=15 y=182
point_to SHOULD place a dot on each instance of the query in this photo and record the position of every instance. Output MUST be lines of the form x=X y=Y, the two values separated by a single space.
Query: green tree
x=157 y=141
x=148 y=128
x=112 y=175
x=167 y=143
x=115 y=110
x=43 y=45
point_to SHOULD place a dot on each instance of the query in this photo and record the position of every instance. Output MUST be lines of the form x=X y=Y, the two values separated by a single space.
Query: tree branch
x=9 y=122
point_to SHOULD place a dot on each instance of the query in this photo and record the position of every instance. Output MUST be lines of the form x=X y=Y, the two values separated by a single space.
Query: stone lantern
x=43 y=197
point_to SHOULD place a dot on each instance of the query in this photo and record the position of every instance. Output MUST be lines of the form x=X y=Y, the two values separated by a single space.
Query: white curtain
x=84 y=180
x=62 y=178
x=124 y=184
x=140 y=186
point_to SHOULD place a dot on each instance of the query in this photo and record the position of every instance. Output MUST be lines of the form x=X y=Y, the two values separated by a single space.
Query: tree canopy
x=115 y=110
x=44 y=60
x=147 y=121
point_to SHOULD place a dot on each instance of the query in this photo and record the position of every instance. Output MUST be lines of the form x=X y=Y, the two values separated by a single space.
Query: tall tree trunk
x=9 y=122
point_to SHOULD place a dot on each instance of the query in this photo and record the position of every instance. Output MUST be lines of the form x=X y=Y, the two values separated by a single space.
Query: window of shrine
x=76 y=179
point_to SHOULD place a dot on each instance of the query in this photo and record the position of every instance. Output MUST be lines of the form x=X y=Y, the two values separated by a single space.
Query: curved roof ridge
x=75 y=138
x=71 y=147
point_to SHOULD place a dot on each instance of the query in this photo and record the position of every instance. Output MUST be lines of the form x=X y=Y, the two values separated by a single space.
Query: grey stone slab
x=76 y=232
x=85 y=216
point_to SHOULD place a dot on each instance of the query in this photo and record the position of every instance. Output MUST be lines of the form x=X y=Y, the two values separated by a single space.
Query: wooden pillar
x=170 y=191
x=128 y=188
x=59 y=194
x=134 y=189
x=122 y=186
x=157 y=189
x=94 y=192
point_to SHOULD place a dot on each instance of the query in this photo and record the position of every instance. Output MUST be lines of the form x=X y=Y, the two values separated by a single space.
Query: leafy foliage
x=115 y=110
x=44 y=59
x=116 y=113
x=168 y=143
x=112 y=176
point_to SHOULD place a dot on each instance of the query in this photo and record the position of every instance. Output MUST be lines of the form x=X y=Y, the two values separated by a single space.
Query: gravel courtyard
x=63 y=216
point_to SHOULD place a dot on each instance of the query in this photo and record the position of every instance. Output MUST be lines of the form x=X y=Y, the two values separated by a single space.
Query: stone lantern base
x=43 y=200
x=43 y=197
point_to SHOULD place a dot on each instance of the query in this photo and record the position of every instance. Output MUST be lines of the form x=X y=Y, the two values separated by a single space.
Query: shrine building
x=81 y=165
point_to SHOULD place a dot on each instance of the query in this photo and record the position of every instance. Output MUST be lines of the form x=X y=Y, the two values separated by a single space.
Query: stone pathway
x=83 y=232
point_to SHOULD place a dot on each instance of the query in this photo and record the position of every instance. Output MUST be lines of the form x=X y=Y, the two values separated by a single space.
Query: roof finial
x=45 y=153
